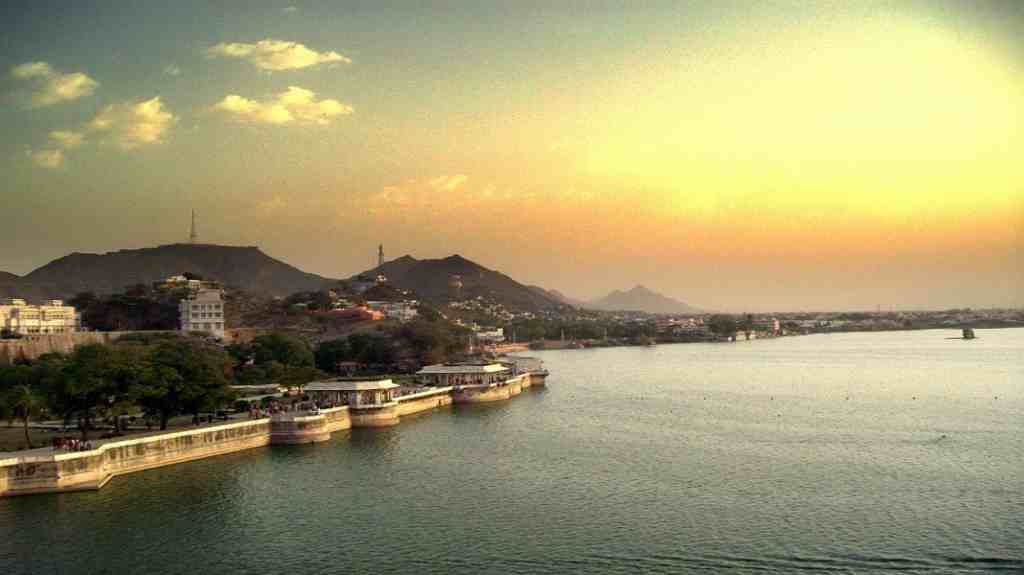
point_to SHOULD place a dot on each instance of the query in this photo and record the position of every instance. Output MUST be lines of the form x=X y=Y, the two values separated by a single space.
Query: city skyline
x=730 y=155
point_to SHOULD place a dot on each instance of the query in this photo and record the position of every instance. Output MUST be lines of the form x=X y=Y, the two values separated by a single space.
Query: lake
x=851 y=453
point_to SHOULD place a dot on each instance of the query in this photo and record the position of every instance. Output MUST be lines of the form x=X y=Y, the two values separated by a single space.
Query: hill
x=7 y=277
x=559 y=296
x=241 y=267
x=439 y=281
x=640 y=299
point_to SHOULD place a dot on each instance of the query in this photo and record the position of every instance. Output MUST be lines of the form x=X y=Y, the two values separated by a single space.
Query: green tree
x=11 y=377
x=184 y=376
x=722 y=325
x=86 y=384
x=285 y=349
x=330 y=353
x=26 y=405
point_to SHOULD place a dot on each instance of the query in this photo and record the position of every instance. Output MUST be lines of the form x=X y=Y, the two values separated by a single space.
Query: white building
x=445 y=374
x=400 y=310
x=203 y=311
x=17 y=316
x=490 y=335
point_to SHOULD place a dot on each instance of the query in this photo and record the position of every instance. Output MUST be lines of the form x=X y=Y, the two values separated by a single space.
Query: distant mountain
x=559 y=296
x=440 y=281
x=7 y=280
x=245 y=268
x=640 y=299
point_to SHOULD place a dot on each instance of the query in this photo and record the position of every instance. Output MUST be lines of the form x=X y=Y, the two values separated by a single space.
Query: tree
x=87 y=383
x=185 y=376
x=277 y=358
x=722 y=325
x=330 y=353
x=427 y=313
x=83 y=300
x=371 y=349
x=11 y=377
x=284 y=349
x=26 y=404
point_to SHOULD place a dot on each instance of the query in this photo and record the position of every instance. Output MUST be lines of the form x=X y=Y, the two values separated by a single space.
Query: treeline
x=157 y=376
x=161 y=377
x=403 y=348
x=537 y=329
x=722 y=325
x=138 y=309
x=275 y=359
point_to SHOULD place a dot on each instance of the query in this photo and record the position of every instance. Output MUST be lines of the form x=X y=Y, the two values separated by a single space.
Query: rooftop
x=462 y=368
x=350 y=385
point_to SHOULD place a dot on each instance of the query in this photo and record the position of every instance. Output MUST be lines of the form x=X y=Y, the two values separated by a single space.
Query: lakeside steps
x=371 y=403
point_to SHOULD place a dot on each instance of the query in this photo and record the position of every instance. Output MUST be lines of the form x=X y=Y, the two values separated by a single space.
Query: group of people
x=71 y=444
x=275 y=407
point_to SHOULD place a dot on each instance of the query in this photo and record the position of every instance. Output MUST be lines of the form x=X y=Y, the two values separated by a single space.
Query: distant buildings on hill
x=401 y=310
x=185 y=282
x=17 y=317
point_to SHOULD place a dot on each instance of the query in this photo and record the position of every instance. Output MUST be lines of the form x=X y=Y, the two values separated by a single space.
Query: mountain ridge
x=640 y=298
x=434 y=280
x=244 y=267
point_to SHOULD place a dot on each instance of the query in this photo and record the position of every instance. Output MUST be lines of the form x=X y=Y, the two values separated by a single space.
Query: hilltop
x=241 y=267
x=439 y=281
x=640 y=299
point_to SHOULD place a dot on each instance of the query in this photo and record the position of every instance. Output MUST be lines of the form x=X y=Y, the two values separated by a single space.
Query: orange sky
x=734 y=155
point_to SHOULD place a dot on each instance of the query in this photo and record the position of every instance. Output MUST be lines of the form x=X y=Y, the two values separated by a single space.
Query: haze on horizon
x=734 y=155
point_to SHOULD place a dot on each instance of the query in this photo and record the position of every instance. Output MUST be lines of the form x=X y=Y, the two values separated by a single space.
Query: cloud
x=32 y=70
x=53 y=87
x=290 y=10
x=271 y=205
x=67 y=139
x=430 y=196
x=448 y=183
x=296 y=106
x=276 y=55
x=135 y=124
x=50 y=159
x=172 y=70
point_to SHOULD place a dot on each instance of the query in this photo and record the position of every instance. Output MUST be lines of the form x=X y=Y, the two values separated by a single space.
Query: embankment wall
x=92 y=469
x=33 y=346
x=55 y=472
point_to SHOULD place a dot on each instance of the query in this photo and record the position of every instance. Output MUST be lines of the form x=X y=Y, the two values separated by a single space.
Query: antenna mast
x=193 y=236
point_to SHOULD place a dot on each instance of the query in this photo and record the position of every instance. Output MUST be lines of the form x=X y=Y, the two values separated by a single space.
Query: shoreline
x=59 y=472
x=578 y=345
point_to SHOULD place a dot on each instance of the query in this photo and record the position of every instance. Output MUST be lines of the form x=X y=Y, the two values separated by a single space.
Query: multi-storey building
x=203 y=311
x=17 y=316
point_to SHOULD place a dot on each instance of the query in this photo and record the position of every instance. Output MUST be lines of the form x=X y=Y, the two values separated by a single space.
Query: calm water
x=854 y=453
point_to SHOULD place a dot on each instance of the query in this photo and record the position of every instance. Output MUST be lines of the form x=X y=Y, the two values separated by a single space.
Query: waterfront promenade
x=47 y=471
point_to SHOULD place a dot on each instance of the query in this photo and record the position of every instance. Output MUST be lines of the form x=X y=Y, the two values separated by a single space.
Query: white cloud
x=53 y=87
x=172 y=70
x=67 y=139
x=294 y=106
x=448 y=183
x=32 y=70
x=49 y=159
x=276 y=55
x=271 y=205
x=135 y=124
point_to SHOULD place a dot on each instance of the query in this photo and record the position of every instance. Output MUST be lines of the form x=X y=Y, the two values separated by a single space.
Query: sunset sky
x=741 y=156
